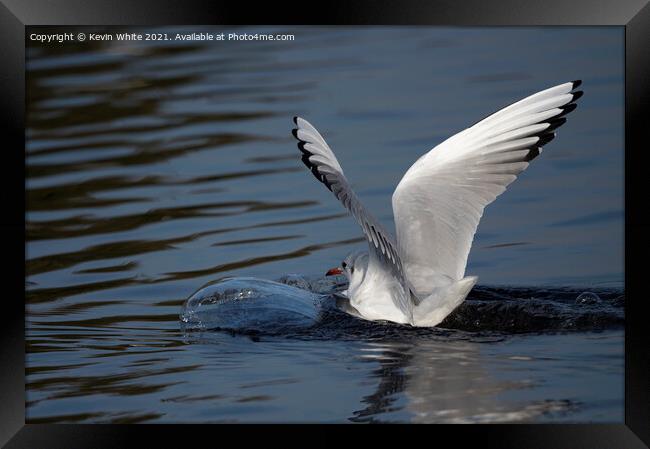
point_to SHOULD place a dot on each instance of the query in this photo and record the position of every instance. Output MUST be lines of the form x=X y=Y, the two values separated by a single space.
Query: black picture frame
x=634 y=15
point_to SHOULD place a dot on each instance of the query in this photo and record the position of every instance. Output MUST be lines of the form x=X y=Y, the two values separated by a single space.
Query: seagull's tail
x=441 y=302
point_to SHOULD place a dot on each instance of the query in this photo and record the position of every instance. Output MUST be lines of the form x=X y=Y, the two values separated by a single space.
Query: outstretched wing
x=440 y=200
x=322 y=162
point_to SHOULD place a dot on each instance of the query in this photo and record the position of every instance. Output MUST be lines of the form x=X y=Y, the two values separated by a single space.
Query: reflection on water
x=455 y=382
x=154 y=168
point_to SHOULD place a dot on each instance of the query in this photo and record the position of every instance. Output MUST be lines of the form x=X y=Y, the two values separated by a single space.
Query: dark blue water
x=155 y=168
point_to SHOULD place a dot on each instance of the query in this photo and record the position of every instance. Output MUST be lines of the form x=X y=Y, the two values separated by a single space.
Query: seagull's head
x=353 y=267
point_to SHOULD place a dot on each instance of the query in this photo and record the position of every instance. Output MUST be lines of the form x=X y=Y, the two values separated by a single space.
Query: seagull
x=418 y=278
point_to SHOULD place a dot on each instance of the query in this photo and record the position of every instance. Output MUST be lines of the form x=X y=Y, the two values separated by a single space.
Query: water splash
x=249 y=304
x=295 y=306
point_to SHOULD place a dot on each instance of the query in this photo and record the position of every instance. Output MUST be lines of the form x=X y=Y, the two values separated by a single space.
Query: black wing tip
x=301 y=147
x=544 y=139
x=577 y=94
x=555 y=123
x=313 y=168
x=306 y=154
x=576 y=83
x=533 y=153
x=566 y=109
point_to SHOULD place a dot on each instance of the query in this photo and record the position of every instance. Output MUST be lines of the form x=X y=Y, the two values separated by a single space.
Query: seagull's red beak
x=334 y=271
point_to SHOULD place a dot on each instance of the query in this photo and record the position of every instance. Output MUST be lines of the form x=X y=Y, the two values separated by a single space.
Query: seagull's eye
x=344 y=264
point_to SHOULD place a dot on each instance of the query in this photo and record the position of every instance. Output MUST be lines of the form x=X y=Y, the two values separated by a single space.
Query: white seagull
x=419 y=278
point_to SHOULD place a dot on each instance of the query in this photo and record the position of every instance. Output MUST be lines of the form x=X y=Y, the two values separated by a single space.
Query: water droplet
x=295 y=280
x=588 y=298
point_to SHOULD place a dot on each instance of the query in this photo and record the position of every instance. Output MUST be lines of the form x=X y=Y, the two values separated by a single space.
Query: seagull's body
x=419 y=278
